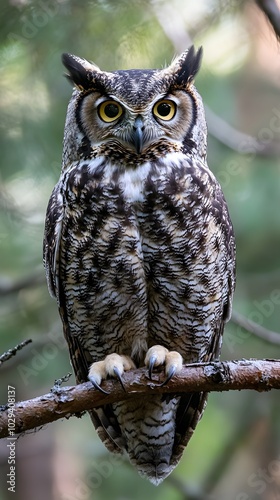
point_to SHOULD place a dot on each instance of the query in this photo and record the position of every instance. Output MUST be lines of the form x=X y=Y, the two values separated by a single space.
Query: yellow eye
x=109 y=111
x=164 y=109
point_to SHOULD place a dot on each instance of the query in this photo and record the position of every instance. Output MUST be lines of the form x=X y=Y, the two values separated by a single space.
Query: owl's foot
x=159 y=355
x=112 y=366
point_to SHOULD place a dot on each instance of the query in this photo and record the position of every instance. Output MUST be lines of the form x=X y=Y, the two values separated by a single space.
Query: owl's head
x=132 y=116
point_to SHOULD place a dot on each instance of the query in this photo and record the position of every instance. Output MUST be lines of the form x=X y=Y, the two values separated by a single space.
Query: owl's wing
x=51 y=250
x=103 y=418
x=51 y=243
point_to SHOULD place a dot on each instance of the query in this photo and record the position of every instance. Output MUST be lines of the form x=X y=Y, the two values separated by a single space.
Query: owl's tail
x=157 y=430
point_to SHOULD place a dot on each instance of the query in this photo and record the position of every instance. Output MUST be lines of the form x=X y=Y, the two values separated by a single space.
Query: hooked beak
x=137 y=134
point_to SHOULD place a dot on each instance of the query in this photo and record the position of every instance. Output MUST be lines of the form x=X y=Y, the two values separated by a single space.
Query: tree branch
x=255 y=329
x=260 y=375
x=8 y=286
x=235 y=139
x=12 y=352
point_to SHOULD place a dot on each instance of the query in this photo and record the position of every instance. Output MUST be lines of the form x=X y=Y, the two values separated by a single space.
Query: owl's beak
x=137 y=134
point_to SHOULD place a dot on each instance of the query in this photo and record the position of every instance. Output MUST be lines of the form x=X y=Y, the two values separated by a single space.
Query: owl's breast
x=101 y=263
x=143 y=257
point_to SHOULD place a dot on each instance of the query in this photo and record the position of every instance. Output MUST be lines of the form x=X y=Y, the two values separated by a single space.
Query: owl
x=139 y=248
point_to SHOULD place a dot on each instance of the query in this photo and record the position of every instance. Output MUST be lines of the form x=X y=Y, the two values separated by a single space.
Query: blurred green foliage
x=33 y=101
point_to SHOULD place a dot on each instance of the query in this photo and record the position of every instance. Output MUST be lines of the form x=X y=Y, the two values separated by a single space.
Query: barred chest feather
x=143 y=256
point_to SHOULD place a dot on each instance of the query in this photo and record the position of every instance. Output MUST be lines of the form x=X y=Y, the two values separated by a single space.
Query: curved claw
x=119 y=377
x=96 y=386
x=171 y=372
x=152 y=361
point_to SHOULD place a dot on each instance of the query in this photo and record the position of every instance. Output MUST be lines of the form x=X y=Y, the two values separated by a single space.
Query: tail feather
x=153 y=433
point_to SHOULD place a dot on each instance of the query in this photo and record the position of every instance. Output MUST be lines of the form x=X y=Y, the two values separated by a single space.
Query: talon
x=112 y=366
x=152 y=361
x=158 y=355
x=119 y=377
x=171 y=372
x=155 y=357
x=96 y=386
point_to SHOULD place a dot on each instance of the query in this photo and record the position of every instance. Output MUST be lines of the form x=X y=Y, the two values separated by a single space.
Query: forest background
x=235 y=451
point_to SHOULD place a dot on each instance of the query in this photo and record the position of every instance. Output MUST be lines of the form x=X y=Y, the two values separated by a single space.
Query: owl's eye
x=164 y=109
x=110 y=111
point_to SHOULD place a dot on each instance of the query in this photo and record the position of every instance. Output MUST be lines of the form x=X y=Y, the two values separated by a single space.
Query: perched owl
x=139 y=248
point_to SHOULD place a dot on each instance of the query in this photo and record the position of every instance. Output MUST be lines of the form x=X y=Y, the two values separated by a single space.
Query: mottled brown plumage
x=139 y=248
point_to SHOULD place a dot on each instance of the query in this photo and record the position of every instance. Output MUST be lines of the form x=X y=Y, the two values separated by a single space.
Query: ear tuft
x=79 y=70
x=188 y=65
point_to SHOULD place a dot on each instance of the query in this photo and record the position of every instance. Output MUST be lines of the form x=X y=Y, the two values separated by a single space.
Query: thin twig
x=236 y=140
x=12 y=352
x=258 y=330
x=259 y=375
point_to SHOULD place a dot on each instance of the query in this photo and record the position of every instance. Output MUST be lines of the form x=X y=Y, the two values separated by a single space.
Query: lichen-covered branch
x=12 y=352
x=62 y=402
